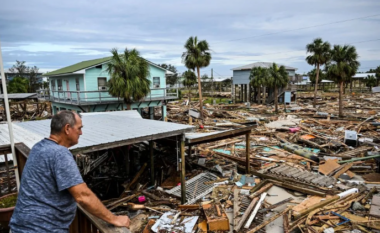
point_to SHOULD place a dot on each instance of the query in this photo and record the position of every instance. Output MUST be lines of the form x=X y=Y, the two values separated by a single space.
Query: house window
x=156 y=82
x=59 y=83
x=102 y=84
x=53 y=84
x=77 y=84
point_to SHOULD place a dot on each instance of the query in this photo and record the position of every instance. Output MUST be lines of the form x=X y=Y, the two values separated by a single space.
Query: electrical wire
x=296 y=29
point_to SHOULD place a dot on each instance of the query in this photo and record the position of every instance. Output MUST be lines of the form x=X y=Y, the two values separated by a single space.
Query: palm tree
x=257 y=79
x=313 y=76
x=370 y=81
x=189 y=80
x=197 y=55
x=278 y=77
x=129 y=76
x=342 y=67
x=320 y=54
x=377 y=71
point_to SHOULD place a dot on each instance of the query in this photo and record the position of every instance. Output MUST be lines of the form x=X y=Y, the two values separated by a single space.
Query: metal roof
x=260 y=64
x=20 y=96
x=363 y=75
x=91 y=63
x=102 y=130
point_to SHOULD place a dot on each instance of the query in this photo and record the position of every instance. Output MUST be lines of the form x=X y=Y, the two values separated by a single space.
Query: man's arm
x=88 y=200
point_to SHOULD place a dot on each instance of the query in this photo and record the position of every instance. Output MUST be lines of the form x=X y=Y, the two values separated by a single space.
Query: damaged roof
x=101 y=131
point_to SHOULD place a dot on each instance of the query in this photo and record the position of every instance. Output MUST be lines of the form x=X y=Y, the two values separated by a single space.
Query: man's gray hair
x=61 y=119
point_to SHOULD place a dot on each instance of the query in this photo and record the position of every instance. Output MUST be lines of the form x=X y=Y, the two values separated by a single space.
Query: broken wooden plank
x=253 y=215
x=269 y=220
x=246 y=214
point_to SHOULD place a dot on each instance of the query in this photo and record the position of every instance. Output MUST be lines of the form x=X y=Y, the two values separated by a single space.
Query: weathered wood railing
x=83 y=222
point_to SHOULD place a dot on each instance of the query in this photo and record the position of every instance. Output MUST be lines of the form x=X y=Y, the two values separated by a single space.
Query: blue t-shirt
x=44 y=204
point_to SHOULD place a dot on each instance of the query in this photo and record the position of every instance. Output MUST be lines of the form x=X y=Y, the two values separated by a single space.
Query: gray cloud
x=53 y=35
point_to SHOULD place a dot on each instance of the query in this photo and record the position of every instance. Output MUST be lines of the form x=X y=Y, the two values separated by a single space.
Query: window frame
x=155 y=85
x=52 y=83
x=101 y=88
x=59 y=84
x=77 y=84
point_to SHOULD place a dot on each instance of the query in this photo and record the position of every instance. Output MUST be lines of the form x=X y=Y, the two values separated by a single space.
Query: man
x=51 y=183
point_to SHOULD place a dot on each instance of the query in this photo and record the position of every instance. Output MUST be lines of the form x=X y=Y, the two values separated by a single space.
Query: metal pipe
x=359 y=159
x=10 y=127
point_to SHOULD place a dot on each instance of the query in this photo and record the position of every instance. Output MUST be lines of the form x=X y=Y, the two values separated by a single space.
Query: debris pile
x=310 y=171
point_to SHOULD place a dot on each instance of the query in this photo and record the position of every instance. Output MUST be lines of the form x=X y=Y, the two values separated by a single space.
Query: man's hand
x=87 y=199
x=121 y=221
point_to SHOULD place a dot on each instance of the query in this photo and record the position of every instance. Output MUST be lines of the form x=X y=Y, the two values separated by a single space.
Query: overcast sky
x=55 y=34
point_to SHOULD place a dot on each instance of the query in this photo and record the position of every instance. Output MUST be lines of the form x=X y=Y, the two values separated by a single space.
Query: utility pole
x=9 y=120
x=212 y=85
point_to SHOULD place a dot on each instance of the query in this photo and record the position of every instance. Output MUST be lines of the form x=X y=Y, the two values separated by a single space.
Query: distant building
x=241 y=77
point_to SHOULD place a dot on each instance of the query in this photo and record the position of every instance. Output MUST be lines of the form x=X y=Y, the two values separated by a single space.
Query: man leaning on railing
x=51 y=183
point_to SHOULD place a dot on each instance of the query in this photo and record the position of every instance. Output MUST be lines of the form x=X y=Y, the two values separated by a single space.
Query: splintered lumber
x=354 y=152
x=271 y=219
x=276 y=205
x=362 y=221
x=119 y=202
x=253 y=215
x=246 y=214
x=261 y=190
x=137 y=176
x=215 y=221
x=314 y=207
x=369 y=194
x=330 y=166
x=343 y=170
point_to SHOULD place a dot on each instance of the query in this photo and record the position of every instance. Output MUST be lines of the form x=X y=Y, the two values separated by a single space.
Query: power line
x=302 y=28
x=357 y=42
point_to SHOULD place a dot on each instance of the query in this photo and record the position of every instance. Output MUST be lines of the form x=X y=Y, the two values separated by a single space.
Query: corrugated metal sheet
x=20 y=135
x=261 y=64
x=20 y=96
x=98 y=129
x=129 y=114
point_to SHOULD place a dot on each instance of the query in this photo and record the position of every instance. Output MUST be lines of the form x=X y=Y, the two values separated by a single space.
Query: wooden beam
x=247 y=152
x=220 y=136
x=152 y=177
x=183 y=171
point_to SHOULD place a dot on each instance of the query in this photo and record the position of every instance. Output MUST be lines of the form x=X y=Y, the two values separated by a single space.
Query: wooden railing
x=83 y=222
x=7 y=176
x=102 y=96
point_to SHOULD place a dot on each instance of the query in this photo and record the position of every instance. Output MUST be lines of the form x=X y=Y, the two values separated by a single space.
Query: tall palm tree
x=320 y=54
x=257 y=79
x=196 y=56
x=343 y=65
x=129 y=76
x=189 y=80
x=278 y=77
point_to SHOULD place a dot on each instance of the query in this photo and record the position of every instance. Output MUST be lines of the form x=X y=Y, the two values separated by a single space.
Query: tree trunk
x=264 y=95
x=341 y=85
x=200 y=96
x=259 y=95
x=316 y=87
x=128 y=104
x=276 y=99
